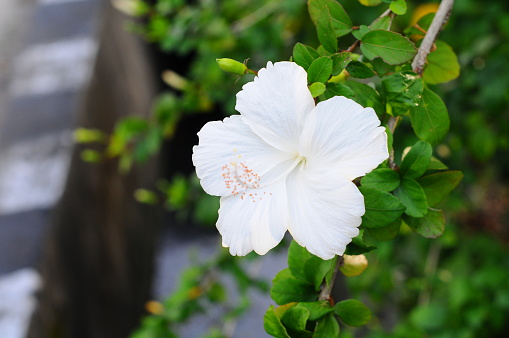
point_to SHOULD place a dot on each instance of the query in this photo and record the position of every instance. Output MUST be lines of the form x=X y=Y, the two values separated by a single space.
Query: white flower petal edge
x=257 y=221
x=276 y=104
x=231 y=158
x=341 y=134
x=325 y=211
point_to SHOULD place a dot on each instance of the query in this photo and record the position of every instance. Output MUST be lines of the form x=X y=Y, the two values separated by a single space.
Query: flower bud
x=232 y=66
x=353 y=265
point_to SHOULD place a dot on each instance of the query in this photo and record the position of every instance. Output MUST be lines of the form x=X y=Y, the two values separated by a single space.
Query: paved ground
x=48 y=48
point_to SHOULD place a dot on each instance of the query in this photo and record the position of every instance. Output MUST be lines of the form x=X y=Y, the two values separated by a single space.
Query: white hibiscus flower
x=286 y=164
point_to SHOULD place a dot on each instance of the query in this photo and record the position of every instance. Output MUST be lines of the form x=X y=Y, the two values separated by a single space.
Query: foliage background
x=452 y=287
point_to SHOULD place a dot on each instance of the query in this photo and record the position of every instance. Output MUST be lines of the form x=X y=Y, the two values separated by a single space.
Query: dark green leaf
x=359 y=70
x=339 y=62
x=327 y=327
x=391 y=47
x=292 y=290
x=380 y=67
x=412 y=197
x=304 y=55
x=340 y=19
x=437 y=186
x=416 y=162
x=386 y=233
x=325 y=31
x=357 y=246
x=430 y=226
x=359 y=33
x=442 y=65
x=320 y=70
x=366 y=96
x=273 y=325
x=295 y=318
x=382 y=208
x=436 y=164
x=403 y=91
x=430 y=120
x=317 y=309
x=384 y=179
x=353 y=312
x=338 y=89
x=317 y=89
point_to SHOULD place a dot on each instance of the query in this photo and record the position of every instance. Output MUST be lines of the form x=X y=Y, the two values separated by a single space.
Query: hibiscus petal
x=325 y=211
x=230 y=158
x=276 y=103
x=343 y=135
x=255 y=220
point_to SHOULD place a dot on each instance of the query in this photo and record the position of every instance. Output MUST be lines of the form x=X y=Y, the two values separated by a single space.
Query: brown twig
x=327 y=288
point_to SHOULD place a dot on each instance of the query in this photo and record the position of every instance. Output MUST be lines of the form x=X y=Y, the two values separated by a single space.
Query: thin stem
x=393 y=122
x=441 y=17
x=327 y=288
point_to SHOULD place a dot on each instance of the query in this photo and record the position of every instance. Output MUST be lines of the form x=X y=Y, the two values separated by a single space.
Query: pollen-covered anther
x=239 y=177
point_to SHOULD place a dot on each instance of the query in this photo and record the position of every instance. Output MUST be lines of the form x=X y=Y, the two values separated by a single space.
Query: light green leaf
x=317 y=89
x=339 y=62
x=292 y=290
x=325 y=31
x=437 y=186
x=403 y=91
x=432 y=225
x=398 y=6
x=417 y=161
x=430 y=120
x=370 y=2
x=327 y=327
x=272 y=324
x=392 y=47
x=359 y=70
x=304 y=55
x=384 y=179
x=442 y=65
x=297 y=257
x=320 y=70
x=315 y=270
x=382 y=208
x=340 y=19
x=412 y=197
x=317 y=309
x=359 y=33
x=353 y=312
x=381 y=23
x=296 y=318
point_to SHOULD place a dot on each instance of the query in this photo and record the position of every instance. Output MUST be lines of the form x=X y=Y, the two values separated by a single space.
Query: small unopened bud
x=232 y=66
x=353 y=265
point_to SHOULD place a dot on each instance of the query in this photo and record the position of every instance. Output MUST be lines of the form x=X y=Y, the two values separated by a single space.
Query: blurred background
x=102 y=217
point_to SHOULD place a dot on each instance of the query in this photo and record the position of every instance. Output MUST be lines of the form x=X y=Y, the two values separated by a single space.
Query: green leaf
x=327 y=327
x=320 y=70
x=384 y=179
x=292 y=290
x=403 y=91
x=296 y=318
x=317 y=309
x=417 y=161
x=436 y=164
x=325 y=31
x=315 y=270
x=283 y=274
x=359 y=33
x=386 y=233
x=412 y=197
x=317 y=89
x=370 y=3
x=438 y=185
x=338 y=89
x=366 y=96
x=392 y=47
x=381 y=68
x=360 y=70
x=297 y=257
x=304 y=55
x=353 y=312
x=340 y=19
x=430 y=226
x=357 y=246
x=398 y=6
x=339 y=62
x=382 y=23
x=382 y=208
x=273 y=325
x=430 y=120
x=442 y=65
